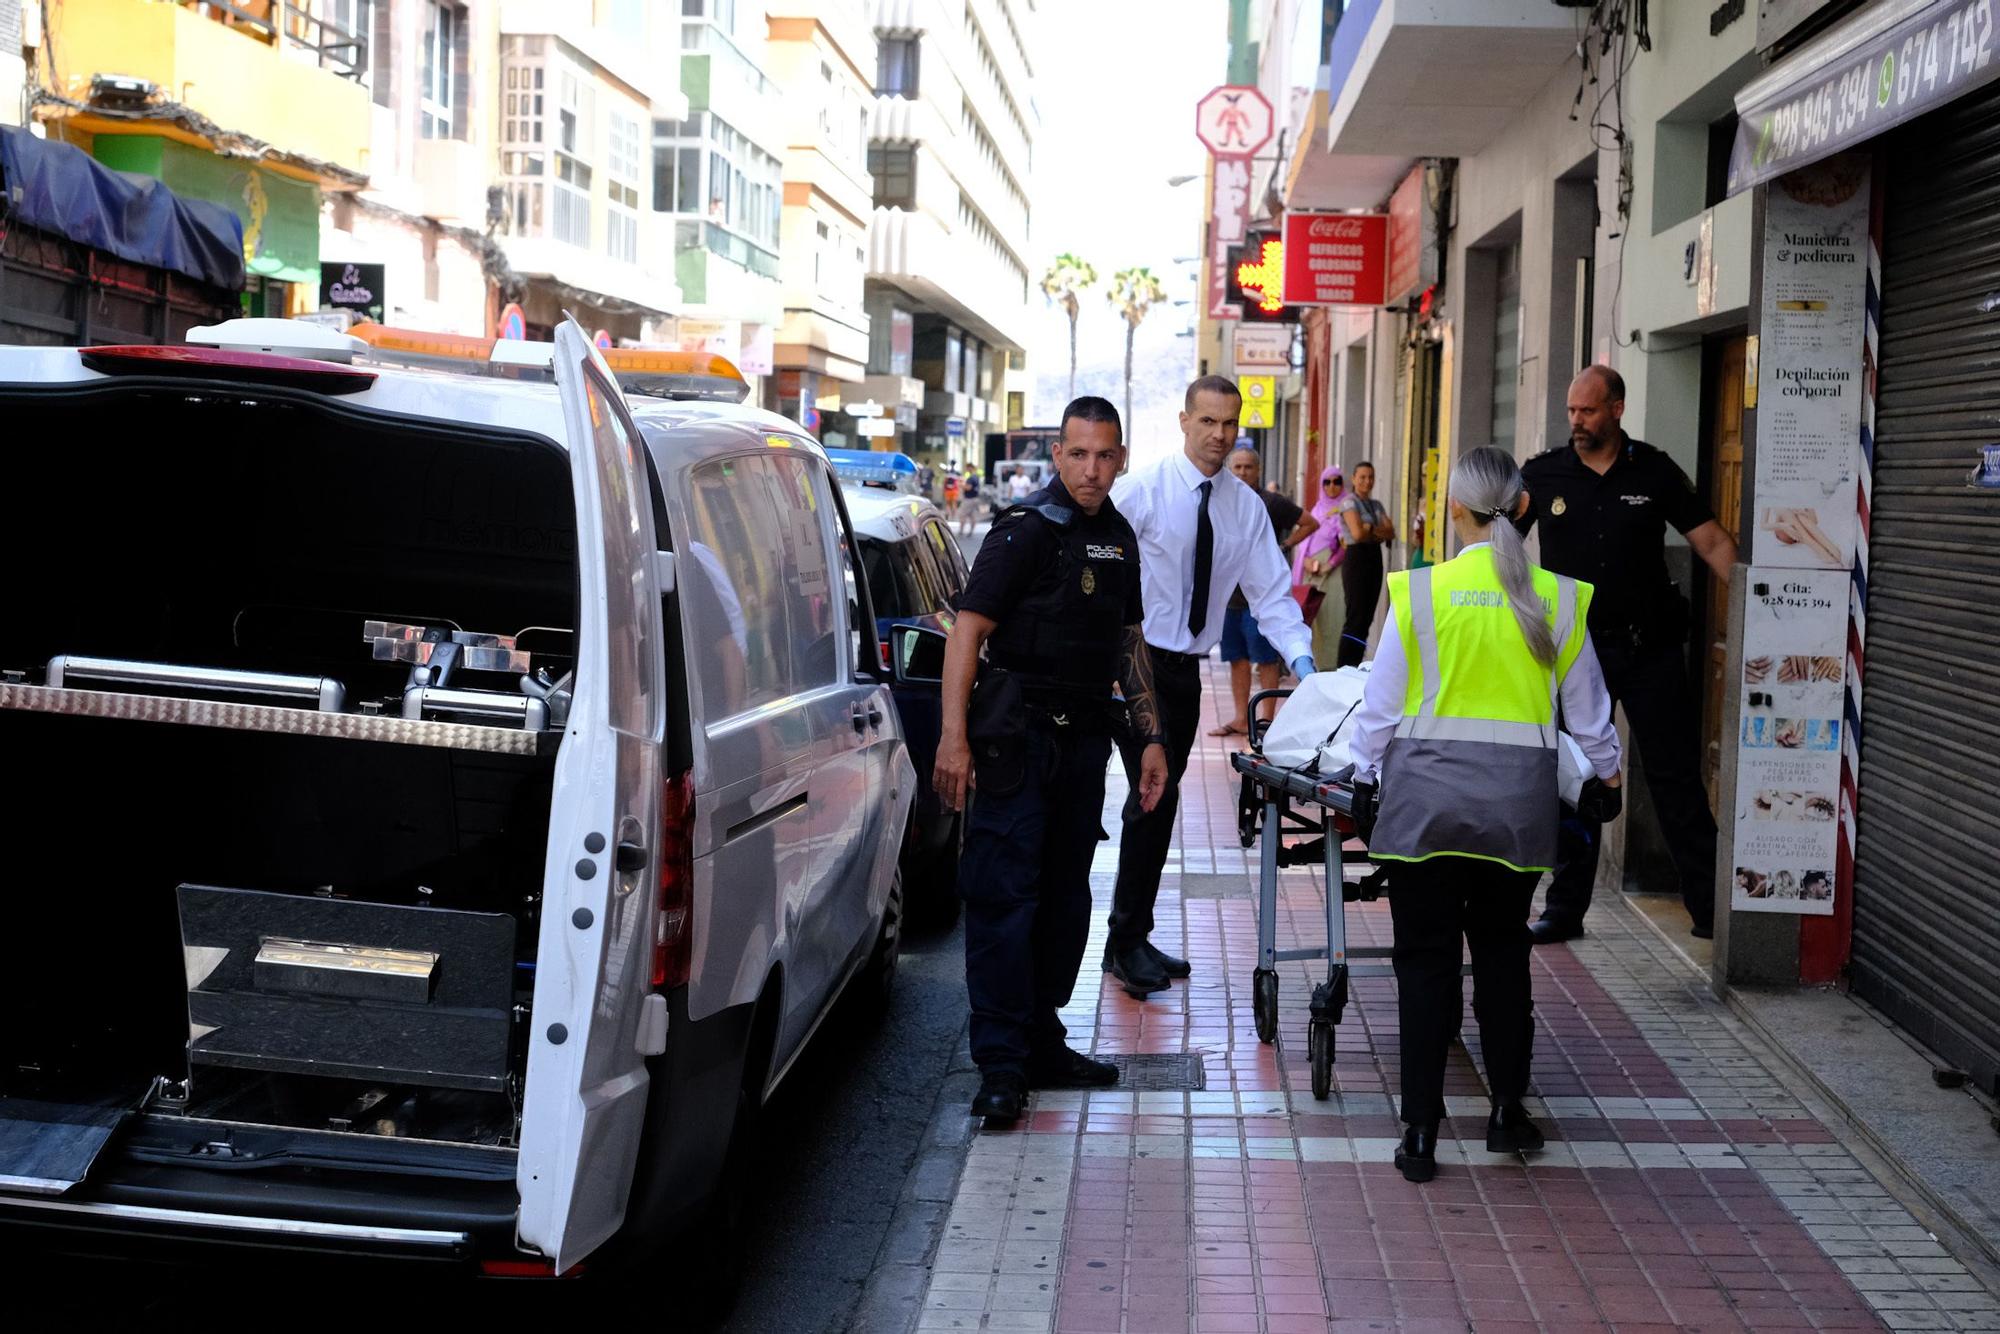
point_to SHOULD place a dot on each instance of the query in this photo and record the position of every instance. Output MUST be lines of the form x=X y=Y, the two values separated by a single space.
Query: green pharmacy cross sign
x=1852 y=86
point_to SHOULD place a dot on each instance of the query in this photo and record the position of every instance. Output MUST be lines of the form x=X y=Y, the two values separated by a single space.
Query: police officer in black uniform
x=1053 y=599
x=1603 y=503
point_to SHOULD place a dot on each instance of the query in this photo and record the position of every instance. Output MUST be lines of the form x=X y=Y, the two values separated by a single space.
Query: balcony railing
x=297 y=28
x=739 y=250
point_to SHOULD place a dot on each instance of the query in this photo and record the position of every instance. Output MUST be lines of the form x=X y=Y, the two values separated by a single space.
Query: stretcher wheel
x=1264 y=1003
x=1319 y=1041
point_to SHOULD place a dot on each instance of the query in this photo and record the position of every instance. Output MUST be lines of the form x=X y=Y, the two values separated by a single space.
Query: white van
x=443 y=805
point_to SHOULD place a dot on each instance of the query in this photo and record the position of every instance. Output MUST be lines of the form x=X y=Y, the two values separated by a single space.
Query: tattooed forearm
x=1135 y=679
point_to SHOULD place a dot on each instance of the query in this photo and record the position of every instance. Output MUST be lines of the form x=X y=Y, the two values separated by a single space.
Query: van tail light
x=673 y=917
x=526 y=1269
x=886 y=660
x=215 y=363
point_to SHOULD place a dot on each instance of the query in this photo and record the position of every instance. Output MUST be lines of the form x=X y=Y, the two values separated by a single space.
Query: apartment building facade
x=951 y=152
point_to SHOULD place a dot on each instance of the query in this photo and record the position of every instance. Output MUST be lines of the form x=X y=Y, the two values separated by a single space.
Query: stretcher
x=1279 y=802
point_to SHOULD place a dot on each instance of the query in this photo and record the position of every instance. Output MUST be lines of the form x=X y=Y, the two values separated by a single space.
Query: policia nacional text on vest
x=1472 y=770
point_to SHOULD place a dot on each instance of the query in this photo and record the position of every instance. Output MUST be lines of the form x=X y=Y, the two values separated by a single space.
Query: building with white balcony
x=822 y=55
x=951 y=151
x=411 y=249
x=718 y=183
x=13 y=66
x=581 y=83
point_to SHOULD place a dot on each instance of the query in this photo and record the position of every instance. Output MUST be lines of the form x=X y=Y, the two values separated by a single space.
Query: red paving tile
x=1218 y=1246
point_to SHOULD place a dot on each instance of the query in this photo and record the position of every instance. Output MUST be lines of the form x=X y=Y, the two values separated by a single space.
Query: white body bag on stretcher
x=1311 y=730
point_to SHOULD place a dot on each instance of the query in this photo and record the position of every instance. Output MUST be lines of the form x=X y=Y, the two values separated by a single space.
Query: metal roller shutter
x=1927 y=873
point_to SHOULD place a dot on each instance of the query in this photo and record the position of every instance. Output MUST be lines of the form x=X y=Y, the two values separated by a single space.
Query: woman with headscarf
x=1316 y=568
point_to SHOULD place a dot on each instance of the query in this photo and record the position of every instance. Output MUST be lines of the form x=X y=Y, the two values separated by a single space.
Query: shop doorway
x=1724 y=364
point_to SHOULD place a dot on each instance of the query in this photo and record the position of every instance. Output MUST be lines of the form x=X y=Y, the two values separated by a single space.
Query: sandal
x=1230 y=729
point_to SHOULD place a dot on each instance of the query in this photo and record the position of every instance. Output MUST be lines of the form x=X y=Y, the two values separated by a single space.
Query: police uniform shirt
x=1020 y=558
x=1610 y=529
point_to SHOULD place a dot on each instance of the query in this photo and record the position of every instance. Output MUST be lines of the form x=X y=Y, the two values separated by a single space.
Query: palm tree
x=1133 y=293
x=1068 y=275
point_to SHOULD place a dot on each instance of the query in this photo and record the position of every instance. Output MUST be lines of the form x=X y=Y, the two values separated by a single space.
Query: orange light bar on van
x=457 y=347
x=655 y=361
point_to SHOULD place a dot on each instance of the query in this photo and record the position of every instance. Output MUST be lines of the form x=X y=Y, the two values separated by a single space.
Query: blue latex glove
x=1302 y=666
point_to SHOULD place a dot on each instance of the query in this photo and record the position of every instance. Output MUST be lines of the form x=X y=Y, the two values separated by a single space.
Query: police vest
x=1067 y=630
x=1472 y=768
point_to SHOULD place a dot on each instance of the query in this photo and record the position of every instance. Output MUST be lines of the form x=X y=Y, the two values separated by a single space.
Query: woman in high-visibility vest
x=1481 y=657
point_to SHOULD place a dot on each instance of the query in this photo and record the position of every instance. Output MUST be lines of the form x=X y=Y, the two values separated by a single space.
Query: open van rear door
x=587 y=1084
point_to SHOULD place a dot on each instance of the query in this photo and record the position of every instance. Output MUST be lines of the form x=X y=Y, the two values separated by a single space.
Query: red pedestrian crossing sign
x=1233 y=121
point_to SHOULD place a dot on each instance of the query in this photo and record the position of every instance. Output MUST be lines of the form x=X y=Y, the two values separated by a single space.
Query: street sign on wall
x=1233 y=121
x=1265 y=348
x=1336 y=259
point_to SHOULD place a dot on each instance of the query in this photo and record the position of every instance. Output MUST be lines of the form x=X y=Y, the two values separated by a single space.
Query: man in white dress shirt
x=1202 y=534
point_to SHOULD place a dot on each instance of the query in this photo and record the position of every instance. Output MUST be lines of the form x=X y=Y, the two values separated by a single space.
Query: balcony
x=1437 y=78
x=949 y=272
x=268 y=70
x=725 y=273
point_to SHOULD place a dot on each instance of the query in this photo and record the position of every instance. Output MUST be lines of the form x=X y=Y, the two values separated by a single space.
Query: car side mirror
x=916 y=655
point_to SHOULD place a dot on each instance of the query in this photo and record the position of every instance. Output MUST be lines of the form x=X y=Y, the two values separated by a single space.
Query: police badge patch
x=1089 y=581
x=1557 y=506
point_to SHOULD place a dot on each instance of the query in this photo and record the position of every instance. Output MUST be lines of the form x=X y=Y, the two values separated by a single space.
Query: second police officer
x=1053 y=600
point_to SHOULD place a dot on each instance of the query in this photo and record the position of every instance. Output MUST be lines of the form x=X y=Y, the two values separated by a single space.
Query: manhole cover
x=1161 y=1072
x=1215 y=886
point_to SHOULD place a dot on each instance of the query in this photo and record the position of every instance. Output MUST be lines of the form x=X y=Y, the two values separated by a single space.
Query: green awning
x=280 y=215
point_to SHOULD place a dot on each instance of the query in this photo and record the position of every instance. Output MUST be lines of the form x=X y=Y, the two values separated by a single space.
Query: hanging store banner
x=353 y=287
x=1228 y=226
x=1336 y=259
x=1788 y=751
x=718 y=338
x=1859 y=79
x=760 y=347
x=1412 y=263
x=1809 y=386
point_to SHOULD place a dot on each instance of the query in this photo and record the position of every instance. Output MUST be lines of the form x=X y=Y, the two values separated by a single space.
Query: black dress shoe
x=1136 y=971
x=1417 y=1155
x=1066 y=1069
x=1509 y=1130
x=1700 y=932
x=1000 y=1096
x=1549 y=931
x=1168 y=964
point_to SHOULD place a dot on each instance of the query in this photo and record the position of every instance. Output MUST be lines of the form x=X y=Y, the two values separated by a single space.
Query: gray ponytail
x=1488 y=483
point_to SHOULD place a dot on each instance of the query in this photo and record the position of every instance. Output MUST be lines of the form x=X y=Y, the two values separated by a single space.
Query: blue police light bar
x=869 y=467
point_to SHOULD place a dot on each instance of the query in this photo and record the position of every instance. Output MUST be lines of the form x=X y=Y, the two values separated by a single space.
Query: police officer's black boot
x=1000 y=1097
x=1509 y=1130
x=1135 y=970
x=1063 y=1068
x=1417 y=1155
x=1169 y=965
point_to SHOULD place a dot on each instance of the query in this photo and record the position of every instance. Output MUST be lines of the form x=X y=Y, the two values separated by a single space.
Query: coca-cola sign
x=1336 y=259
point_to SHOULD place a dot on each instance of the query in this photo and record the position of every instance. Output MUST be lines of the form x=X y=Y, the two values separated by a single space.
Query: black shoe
x=1700 y=932
x=1135 y=969
x=1168 y=964
x=1509 y=1130
x=1000 y=1096
x=1417 y=1155
x=1549 y=931
x=1067 y=1069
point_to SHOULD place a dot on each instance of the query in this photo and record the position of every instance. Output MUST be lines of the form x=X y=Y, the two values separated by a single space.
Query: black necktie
x=1204 y=563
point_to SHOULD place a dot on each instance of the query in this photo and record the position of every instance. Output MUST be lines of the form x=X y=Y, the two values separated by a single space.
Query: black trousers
x=1433 y=904
x=1660 y=708
x=1361 y=582
x=1146 y=836
x=1025 y=877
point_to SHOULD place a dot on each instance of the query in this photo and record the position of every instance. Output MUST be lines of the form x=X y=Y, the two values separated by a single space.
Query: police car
x=446 y=794
x=915 y=572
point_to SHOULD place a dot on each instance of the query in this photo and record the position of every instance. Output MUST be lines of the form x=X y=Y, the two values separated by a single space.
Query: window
x=951 y=558
x=719 y=175
x=440 y=84
x=630 y=684
x=815 y=602
x=734 y=599
x=575 y=103
x=621 y=237
x=896 y=67
x=894 y=168
x=347 y=39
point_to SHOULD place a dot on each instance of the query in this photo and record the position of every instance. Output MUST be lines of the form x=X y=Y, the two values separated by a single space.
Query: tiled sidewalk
x=1684 y=1186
